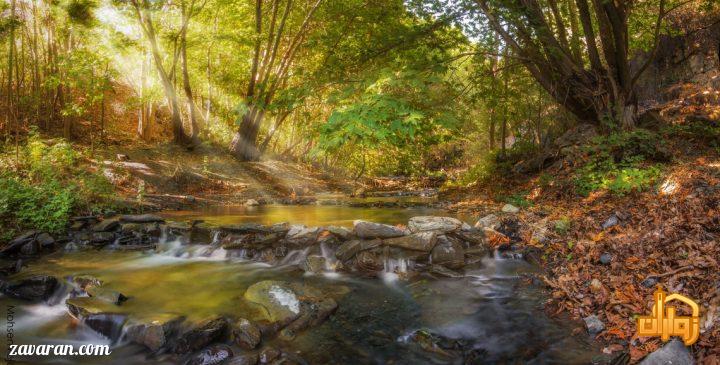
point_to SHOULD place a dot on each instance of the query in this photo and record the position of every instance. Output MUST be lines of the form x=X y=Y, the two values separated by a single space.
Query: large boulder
x=349 y=249
x=292 y=306
x=202 y=335
x=34 y=288
x=154 y=332
x=448 y=252
x=422 y=241
x=278 y=299
x=430 y=223
x=672 y=353
x=365 y=229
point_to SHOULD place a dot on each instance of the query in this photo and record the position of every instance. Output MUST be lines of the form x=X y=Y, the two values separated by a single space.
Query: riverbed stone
x=109 y=325
x=251 y=240
x=34 y=288
x=489 y=221
x=141 y=218
x=204 y=334
x=349 y=249
x=211 y=355
x=365 y=229
x=18 y=242
x=202 y=233
x=302 y=235
x=105 y=294
x=246 y=334
x=251 y=203
x=314 y=263
x=672 y=353
x=448 y=252
x=292 y=306
x=243 y=359
x=45 y=240
x=244 y=228
x=101 y=238
x=9 y=267
x=268 y=354
x=29 y=249
x=431 y=223
x=340 y=232
x=422 y=241
x=154 y=332
x=369 y=262
x=509 y=208
x=107 y=225
x=278 y=299
x=594 y=324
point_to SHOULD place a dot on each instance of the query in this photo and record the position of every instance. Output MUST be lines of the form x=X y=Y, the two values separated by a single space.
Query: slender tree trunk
x=192 y=109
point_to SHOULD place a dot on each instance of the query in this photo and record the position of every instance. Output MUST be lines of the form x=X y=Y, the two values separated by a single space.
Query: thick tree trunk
x=244 y=144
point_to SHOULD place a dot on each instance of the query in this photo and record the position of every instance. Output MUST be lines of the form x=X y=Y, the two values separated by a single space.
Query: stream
x=491 y=312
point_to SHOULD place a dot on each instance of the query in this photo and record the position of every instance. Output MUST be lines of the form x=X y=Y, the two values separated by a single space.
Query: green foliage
x=562 y=226
x=48 y=188
x=518 y=199
x=621 y=163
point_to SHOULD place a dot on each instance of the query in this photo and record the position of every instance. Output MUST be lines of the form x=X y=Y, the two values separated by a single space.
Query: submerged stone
x=202 y=335
x=246 y=334
x=107 y=295
x=243 y=359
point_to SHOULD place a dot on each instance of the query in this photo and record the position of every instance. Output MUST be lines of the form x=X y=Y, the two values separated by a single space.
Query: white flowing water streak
x=295 y=257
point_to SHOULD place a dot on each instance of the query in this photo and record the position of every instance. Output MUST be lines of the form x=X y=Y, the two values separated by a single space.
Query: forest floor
x=605 y=254
x=172 y=177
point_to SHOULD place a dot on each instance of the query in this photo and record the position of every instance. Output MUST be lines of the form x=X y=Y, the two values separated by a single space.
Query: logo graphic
x=664 y=323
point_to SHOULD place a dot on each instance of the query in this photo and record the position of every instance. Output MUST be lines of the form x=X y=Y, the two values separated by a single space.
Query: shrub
x=44 y=192
x=621 y=163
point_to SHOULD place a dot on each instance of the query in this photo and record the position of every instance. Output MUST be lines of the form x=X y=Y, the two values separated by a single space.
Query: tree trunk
x=192 y=109
x=179 y=135
x=244 y=143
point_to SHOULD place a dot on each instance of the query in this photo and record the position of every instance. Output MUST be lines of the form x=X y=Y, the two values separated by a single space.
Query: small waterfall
x=177 y=248
x=329 y=255
x=295 y=257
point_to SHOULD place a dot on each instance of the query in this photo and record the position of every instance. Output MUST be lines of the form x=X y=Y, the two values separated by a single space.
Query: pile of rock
x=427 y=241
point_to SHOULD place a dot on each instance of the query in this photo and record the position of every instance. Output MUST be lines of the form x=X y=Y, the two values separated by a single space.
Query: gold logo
x=666 y=324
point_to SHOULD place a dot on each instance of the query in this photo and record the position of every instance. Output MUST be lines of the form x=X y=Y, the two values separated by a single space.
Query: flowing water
x=490 y=308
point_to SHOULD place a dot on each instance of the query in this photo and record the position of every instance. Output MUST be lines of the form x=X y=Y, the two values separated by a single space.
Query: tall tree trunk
x=179 y=135
x=192 y=109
